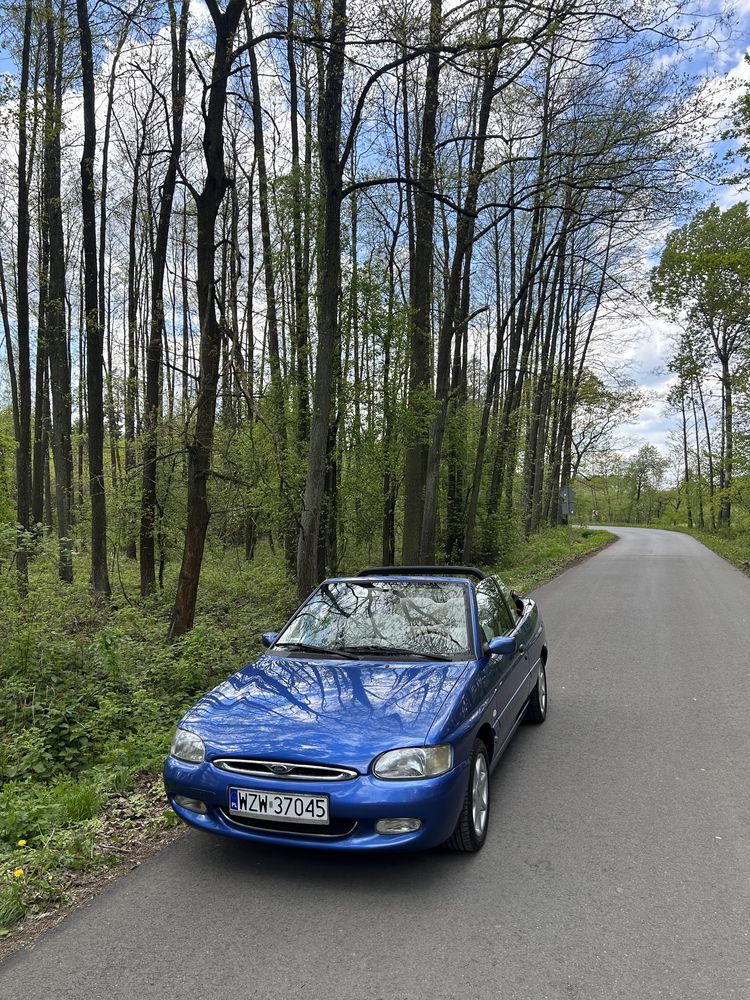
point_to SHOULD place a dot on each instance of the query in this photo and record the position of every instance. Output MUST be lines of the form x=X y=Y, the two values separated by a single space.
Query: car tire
x=536 y=713
x=474 y=819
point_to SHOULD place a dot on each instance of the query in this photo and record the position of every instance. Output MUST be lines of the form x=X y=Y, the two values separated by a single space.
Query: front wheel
x=471 y=829
x=536 y=713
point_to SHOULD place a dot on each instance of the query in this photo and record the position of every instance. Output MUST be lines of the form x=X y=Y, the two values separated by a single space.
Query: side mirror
x=501 y=645
x=269 y=638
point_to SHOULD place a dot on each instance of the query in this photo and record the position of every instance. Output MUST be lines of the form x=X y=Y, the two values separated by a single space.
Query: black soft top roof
x=471 y=571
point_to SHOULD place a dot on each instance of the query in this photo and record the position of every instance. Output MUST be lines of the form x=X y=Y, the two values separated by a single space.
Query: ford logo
x=281 y=768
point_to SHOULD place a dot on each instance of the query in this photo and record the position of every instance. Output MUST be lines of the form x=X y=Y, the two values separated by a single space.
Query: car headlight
x=414 y=762
x=188 y=747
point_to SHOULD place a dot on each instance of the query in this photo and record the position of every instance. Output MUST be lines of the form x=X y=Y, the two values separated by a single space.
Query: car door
x=508 y=672
x=525 y=618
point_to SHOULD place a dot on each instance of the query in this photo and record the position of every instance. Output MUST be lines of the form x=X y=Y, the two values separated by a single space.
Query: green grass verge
x=545 y=555
x=90 y=696
x=734 y=546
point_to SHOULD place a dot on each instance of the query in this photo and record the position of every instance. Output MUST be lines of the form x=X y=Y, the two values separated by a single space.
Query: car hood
x=336 y=712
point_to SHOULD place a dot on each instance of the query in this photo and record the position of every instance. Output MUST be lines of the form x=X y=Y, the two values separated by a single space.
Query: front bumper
x=362 y=801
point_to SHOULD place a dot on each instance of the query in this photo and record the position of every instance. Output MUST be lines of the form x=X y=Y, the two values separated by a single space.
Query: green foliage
x=739 y=131
x=30 y=809
x=704 y=270
x=548 y=552
x=89 y=697
x=12 y=906
x=734 y=546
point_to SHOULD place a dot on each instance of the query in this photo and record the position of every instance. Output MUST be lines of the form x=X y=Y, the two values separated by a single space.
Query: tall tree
x=151 y=407
x=465 y=232
x=420 y=329
x=208 y=201
x=22 y=382
x=329 y=276
x=55 y=321
x=702 y=280
x=94 y=331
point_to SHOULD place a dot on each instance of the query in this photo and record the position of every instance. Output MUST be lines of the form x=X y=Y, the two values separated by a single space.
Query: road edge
x=575 y=560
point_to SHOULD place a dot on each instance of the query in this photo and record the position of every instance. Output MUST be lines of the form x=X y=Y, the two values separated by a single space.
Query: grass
x=89 y=696
x=545 y=555
x=733 y=546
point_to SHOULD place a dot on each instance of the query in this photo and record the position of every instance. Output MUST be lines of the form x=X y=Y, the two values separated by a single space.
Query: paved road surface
x=617 y=864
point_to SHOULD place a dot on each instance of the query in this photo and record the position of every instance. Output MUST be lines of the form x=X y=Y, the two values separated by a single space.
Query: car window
x=515 y=614
x=494 y=618
x=427 y=617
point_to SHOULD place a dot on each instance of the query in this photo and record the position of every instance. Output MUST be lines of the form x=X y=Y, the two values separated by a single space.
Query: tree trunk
x=54 y=321
x=276 y=392
x=465 y=228
x=131 y=354
x=685 y=458
x=329 y=276
x=208 y=202
x=94 y=339
x=725 y=510
x=701 y=516
x=300 y=206
x=419 y=402
x=22 y=406
x=152 y=400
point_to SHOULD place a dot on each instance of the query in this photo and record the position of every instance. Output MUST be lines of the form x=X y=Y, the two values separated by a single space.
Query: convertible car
x=372 y=721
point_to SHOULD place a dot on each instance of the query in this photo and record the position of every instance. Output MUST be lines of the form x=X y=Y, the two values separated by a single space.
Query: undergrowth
x=89 y=698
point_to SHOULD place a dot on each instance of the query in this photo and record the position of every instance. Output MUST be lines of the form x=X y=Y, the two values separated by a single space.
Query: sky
x=647 y=337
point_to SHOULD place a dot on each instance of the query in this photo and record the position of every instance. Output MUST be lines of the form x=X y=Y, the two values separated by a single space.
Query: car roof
x=405 y=571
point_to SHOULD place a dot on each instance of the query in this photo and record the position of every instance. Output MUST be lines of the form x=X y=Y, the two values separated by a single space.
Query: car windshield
x=406 y=619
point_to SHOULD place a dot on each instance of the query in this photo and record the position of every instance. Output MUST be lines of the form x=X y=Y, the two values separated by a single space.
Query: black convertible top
x=472 y=571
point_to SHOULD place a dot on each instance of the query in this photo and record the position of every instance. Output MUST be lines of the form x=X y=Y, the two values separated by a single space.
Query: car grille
x=284 y=769
x=337 y=828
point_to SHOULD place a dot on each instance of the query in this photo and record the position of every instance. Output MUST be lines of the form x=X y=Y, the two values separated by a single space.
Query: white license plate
x=281 y=807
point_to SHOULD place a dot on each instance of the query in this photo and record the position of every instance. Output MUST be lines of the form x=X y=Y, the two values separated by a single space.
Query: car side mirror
x=501 y=645
x=269 y=638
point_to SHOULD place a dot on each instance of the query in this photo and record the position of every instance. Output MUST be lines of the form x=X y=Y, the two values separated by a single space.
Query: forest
x=290 y=288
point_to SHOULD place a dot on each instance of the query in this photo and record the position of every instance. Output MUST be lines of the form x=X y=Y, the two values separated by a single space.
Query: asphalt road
x=617 y=864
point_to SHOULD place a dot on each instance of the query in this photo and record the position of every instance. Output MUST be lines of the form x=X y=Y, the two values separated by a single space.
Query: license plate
x=281 y=807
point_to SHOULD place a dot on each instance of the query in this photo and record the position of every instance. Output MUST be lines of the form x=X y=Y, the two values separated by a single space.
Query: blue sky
x=649 y=337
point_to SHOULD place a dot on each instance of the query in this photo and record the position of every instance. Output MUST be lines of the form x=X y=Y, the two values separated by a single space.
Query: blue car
x=372 y=721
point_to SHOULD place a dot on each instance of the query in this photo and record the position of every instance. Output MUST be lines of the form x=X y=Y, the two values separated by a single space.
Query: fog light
x=194 y=805
x=403 y=825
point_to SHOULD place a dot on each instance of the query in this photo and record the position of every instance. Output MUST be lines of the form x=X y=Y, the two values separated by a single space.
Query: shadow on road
x=282 y=867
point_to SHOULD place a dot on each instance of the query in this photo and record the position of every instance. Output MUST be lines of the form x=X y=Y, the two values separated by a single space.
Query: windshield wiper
x=399 y=650
x=306 y=647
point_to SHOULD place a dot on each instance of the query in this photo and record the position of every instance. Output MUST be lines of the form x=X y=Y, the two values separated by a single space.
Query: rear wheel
x=471 y=829
x=536 y=713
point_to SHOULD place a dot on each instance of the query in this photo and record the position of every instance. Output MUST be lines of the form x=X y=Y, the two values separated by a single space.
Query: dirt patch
x=134 y=826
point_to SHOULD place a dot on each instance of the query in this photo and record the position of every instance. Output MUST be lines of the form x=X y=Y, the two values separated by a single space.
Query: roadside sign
x=567 y=507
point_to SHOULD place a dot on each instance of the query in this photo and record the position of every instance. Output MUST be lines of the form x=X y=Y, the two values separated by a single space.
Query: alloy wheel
x=480 y=794
x=543 y=689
